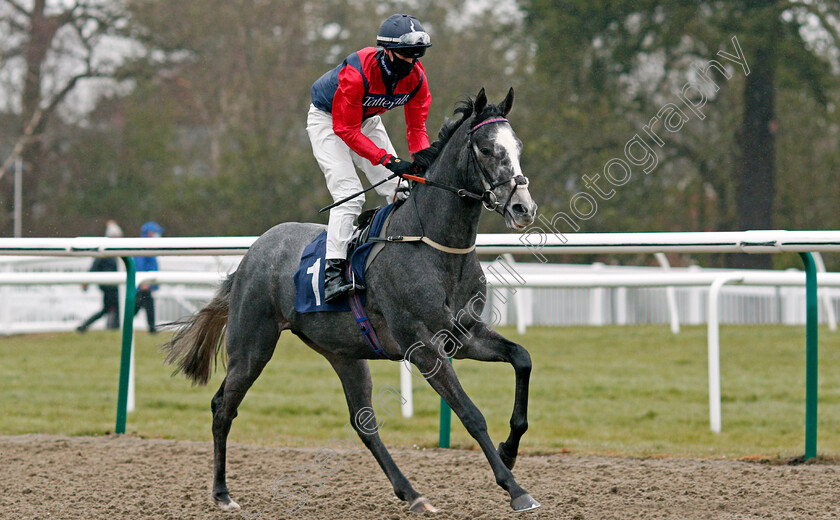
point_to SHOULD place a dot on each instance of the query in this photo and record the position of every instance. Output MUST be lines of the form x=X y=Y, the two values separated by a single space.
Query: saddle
x=365 y=244
x=363 y=224
x=368 y=239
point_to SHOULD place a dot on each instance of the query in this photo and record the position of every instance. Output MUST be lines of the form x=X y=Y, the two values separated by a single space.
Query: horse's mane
x=424 y=159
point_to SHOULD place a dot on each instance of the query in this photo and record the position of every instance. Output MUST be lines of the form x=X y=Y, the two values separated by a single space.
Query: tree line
x=193 y=114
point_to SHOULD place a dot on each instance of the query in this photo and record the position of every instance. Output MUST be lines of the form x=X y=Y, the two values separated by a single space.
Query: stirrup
x=335 y=287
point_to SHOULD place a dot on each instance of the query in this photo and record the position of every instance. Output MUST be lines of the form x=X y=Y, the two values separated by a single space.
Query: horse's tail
x=196 y=344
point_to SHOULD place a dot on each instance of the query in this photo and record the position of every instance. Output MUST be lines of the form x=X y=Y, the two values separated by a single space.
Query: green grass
x=609 y=390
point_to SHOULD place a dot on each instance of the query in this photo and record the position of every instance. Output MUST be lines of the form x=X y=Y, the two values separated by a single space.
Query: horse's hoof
x=226 y=504
x=508 y=461
x=422 y=505
x=524 y=503
x=230 y=506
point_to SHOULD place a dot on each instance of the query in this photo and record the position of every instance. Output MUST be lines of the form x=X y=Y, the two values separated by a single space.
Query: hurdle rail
x=535 y=240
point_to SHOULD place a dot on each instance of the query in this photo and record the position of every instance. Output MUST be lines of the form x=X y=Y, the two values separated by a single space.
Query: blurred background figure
x=110 y=293
x=144 y=298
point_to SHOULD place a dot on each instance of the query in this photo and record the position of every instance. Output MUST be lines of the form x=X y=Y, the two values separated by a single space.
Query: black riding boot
x=334 y=285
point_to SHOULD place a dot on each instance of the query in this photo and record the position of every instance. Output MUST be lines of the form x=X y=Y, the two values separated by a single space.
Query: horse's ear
x=507 y=104
x=480 y=102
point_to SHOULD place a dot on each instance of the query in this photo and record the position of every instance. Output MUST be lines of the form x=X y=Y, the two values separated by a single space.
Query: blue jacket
x=147 y=263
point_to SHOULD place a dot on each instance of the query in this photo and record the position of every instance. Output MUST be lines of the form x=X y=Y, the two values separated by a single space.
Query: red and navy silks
x=355 y=91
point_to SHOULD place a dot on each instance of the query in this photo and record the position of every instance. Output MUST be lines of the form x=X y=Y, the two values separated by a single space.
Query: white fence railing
x=517 y=289
x=563 y=294
x=538 y=242
x=53 y=308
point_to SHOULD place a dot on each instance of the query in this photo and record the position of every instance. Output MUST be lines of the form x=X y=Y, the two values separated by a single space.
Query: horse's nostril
x=519 y=209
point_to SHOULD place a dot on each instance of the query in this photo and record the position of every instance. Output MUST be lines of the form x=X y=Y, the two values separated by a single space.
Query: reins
x=461 y=192
x=487 y=198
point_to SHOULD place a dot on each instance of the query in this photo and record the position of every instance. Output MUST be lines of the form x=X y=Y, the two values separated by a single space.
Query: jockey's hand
x=398 y=166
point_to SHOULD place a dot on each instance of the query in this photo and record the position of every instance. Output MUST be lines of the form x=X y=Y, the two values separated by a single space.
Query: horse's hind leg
x=356 y=381
x=249 y=346
x=488 y=345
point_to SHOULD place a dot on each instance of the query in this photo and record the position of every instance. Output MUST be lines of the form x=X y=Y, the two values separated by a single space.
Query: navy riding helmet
x=405 y=35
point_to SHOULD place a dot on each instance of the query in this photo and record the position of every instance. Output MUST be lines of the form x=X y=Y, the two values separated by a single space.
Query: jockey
x=344 y=128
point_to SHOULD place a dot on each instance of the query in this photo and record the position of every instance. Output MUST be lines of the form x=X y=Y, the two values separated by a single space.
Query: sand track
x=113 y=477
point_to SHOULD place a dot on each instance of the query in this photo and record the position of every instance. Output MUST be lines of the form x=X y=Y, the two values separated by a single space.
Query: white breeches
x=336 y=160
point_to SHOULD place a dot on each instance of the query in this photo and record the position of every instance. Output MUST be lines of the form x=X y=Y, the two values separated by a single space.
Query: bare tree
x=49 y=48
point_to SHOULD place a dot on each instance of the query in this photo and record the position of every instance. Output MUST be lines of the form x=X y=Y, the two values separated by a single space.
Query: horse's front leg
x=435 y=368
x=484 y=344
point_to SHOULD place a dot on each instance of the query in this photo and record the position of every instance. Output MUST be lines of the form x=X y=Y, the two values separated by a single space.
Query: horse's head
x=495 y=150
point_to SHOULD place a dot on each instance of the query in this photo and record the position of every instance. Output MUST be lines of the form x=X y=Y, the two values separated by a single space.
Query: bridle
x=488 y=197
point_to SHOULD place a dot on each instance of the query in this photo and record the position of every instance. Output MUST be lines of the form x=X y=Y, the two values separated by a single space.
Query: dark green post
x=445 y=422
x=811 y=356
x=127 y=335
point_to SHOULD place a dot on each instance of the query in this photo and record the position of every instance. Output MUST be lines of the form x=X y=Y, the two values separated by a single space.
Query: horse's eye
x=486 y=150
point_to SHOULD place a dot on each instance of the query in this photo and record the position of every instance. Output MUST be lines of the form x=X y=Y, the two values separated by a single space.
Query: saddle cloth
x=309 y=278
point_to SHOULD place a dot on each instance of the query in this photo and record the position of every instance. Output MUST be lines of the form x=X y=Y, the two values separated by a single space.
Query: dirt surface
x=126 y=477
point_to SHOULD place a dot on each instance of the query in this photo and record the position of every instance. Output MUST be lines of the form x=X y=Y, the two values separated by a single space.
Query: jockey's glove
x=398 y=166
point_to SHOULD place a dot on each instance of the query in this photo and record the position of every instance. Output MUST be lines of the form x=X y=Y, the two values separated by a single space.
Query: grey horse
x=415 y=293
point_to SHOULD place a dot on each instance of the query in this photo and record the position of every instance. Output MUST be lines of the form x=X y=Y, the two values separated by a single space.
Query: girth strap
x=361 y=318
x=428 y=241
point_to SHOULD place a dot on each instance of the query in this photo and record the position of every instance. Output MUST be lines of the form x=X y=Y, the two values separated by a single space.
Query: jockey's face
x=391 y=55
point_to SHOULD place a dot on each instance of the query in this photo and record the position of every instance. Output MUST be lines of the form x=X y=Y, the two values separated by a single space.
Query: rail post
x=811 y=355
x=445 y=422
x=127 y=335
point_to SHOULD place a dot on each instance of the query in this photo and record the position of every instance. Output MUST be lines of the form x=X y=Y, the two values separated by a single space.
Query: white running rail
x=534 y=240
